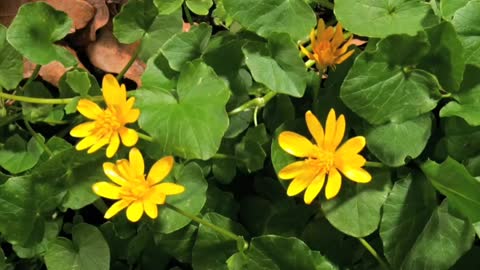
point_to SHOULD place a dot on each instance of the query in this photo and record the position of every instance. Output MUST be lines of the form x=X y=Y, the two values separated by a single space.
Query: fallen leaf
x=80 y=11
x=100 y=19
x=8 y=10
x=107 y=54
x=358 y=42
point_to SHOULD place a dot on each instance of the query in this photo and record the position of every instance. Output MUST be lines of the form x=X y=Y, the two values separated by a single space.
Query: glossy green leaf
x=465 y=105
x=432 y=250
x=382 y=92
x=224 y=170
x=191 y=121
x=17 y=156
x=356 y=210
x=279 y=110
x=78 y=81
x=199 y=7
x=462 y=140
x=277 y=65
x=467 y=24
x=210 y=242
x=394 y=143
x=87 y=251
x=179 y=243
x=167 y=6
x=35 y=29
x=385 y=17
x=448 y=7
x=220 y=202
x=453 y=180
x=405 y=214
x=191 y=200
x=186 y=46
x=277 y=252
x=36 y=112
x=140 y=20
x=268 y=16
x=11 y=63
x=3 y=264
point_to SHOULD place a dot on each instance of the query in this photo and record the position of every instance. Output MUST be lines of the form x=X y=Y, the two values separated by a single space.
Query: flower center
x=136 y=191
x=322 y=160
x=108 y=121
x=325 y=52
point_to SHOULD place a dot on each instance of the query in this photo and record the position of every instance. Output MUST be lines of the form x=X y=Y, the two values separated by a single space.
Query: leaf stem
x=129 y=64
x=100 y=205
x=256 y=102
x=374 y=164
x=37 y=138
x=34 y=75
x=241 y=243
x=51 y=101
x=187 y=14
x=309 y=63
x=325 y=4
x=374 y=253
x=145 y=137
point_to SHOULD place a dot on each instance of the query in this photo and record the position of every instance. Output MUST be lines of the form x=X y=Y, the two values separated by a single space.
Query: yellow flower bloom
x=322 y=158
x=108 y=125
x=328 y=45
x=133 y=190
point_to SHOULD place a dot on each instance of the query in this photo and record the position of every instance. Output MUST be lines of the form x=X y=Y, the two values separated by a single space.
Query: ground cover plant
x=239 y=134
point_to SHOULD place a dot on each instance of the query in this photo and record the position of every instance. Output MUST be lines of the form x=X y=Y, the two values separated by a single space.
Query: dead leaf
x=100 y=18
x=80 y=11
x=8 y=10
x=358 y=42
x=107 y=54
x=51 y=72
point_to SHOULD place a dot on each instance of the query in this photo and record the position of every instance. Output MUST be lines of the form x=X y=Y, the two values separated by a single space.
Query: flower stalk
x=253 y=103
x=374 y=253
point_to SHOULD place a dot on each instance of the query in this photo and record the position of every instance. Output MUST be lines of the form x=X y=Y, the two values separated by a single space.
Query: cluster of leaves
x=216 y=97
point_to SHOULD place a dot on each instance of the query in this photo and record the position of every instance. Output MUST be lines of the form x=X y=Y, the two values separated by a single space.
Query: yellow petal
x=338 y=37
x=344 y=57
x=132 y=116
x=314 y=127
x=169 y=188
x=114 y=144
x=352 y=146
x=327 y=35
x=107 y=190
x=295 y=144
x=89 y=109
x=115 y=208
x=112 y=92
x=99 y=144
x=320 y=28
x=344 y=47
x=86 y=143
x=136 y=161
x=330 y=127
x=151 y=209
x=355 y=161
x=306 y=52
x=156 y=197
x=160 y=170
x=356 y=174
x=292 y=170
x=123 y=167
x=313 y=38
x=111 y=172
x=135 y=211
x=301 y=182
x=82 y=130
x=129 y=136
x=314 y=188
x=339 y=132
x=334 y=183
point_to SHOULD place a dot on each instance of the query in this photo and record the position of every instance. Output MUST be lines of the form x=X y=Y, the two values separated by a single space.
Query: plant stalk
x=256 y=102
x=374 y=253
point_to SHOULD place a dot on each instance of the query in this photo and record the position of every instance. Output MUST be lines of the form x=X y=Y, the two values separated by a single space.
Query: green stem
x=38 y=138
x=144 y=137
x=256 y=102
x=51 y=101
x=187 y=14
x=34 y=75
x=9 y=118
x=129 y=64
x=225 y=156
x=100 y=205
x=325 y=4
x=374 y=253
x=374 y=164
x=255 y=115
x=241 y=243
x=309 y=63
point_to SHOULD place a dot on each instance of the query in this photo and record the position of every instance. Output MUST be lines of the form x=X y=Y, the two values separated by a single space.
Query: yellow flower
x=133 y=190
x=327 y=46
x=322 y=158
x=108 y=125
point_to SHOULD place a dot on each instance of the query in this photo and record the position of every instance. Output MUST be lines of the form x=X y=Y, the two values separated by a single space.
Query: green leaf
x=191 y=200
x=178 y=244
x=35 y=29
x=79 y=81
x=3 y=264
x=210 y=242
x=190 y=122
x=394 y=143
x=467 y=23
x=17 y=156
x=385 y=18
x=36 y=112
x=140 y=20
x=167 y=6
x=224 y=170
x=220 y=202
x=158 y=75
x=268 y=17
x=52 y=228
x=11 y=63
x=199 y=7
x=25 y=202
x=75 y=82
x=88 y=250
x=277 y=65
x=186 y=46
x=448 y=7
x=446 y=57
x=432 y=250
x=382 y=92
x=404 y=50
x=280 y=253
x=356 y=209
x=277 y=111
x=453 y=180
x=405 y=214
x=250 y=150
